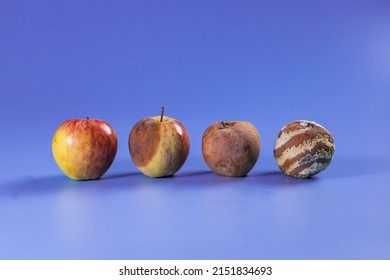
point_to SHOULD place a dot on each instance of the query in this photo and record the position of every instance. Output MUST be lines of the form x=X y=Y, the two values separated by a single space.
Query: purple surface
x=262 y=62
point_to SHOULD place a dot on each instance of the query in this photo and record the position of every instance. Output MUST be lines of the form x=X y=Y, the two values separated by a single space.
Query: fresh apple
x=159 y=145
x=84 y=149
x=231 y=148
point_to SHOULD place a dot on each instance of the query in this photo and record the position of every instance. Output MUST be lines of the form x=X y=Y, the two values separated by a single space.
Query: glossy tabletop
x=266 y=62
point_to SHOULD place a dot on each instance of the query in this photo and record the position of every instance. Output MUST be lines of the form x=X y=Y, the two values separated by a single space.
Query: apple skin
x=231 y=148
x=84 y=149
x=159 y=149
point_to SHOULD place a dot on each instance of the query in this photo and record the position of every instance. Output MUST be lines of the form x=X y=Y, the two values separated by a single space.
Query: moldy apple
x=303 y=149
x=231 y=148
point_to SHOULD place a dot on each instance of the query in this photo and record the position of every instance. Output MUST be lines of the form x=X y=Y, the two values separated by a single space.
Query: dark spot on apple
x=143 y=142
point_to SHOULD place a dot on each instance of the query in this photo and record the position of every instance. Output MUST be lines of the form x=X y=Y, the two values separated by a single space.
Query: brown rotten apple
x=84 y=149
x=159 y=145
x=231 y=148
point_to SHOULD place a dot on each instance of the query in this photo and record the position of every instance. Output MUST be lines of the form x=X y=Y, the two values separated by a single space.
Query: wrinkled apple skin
x=84 y=149
x=231 y=148
x=158 y=149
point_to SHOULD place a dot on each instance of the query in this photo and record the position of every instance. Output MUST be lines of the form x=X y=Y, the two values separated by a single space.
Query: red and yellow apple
x=159 y=145
x=231 y=148
x=84 y=149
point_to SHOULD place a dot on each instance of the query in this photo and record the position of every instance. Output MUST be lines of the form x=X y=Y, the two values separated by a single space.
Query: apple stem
x=162 y=113
x=223 y=124
x=87 y=118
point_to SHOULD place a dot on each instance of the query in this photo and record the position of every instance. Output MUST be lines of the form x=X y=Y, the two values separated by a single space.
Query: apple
x=84 y=149
x=231 y=148
x=303 y=149
x=159 y=145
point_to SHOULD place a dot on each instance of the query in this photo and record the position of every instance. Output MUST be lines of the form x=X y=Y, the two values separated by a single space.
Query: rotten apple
x=159 y=145
x=84 y=149
x=231 y=148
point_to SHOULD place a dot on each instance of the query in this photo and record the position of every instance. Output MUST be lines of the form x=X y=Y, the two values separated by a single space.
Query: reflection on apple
x=84 y=149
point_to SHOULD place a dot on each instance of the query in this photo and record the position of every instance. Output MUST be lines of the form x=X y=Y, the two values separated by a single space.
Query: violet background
x=267 y=62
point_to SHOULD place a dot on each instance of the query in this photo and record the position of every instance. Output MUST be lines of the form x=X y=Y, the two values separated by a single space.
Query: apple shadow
x=340 y=168
x=188 y=179
x=208 y=178
x=196 y=173
x=120 y=175
x=278 y=178
x=60 y=183
x=35 y=186
x=347 y=167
